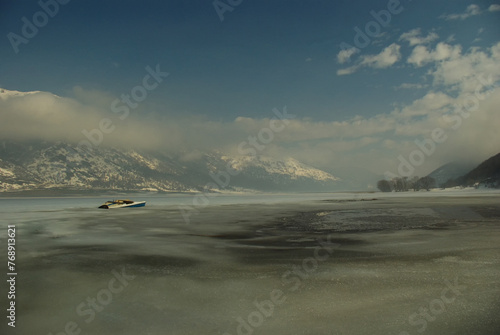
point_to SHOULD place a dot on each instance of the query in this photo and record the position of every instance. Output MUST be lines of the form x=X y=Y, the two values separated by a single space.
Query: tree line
x=404 y=184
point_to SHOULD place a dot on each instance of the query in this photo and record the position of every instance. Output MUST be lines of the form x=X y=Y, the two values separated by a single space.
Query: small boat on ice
x=125 y=203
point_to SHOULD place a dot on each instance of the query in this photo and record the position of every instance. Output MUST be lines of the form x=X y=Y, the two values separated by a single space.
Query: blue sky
x=264 y=54
x=252 y=61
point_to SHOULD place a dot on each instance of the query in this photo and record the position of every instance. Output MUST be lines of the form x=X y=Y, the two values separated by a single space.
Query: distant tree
x=400 y=184
x=414 y=184
x=427 y=182
x=384 y=185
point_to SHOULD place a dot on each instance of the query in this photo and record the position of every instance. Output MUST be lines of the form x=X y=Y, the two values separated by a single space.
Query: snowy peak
x=61 y=166
x=289 y=166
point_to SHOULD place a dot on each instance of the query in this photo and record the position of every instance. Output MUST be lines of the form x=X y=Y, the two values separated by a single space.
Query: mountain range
x=32 y=165
x=42 y=165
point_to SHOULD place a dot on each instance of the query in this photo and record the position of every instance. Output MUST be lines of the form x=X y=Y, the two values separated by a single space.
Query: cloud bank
x=453 y=79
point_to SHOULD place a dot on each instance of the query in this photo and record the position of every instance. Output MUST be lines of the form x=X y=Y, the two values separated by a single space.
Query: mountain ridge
x=486 y=173
x=40 y=165
x=450 y=171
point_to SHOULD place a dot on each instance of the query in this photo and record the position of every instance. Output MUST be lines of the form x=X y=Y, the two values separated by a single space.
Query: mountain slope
x=488 y=172
x=43 y=165
x=449 y=171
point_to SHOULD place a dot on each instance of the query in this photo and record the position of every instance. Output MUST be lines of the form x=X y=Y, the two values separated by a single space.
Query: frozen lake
x=258 y=264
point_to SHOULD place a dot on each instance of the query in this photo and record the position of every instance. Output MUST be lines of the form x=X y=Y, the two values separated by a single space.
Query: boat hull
x=117 y=205
x=137 y=204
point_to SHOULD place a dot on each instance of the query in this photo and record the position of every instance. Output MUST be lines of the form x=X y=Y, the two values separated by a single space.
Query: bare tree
x=400 y=184
x=427 y=183
x=384 y=185
x=414 y=183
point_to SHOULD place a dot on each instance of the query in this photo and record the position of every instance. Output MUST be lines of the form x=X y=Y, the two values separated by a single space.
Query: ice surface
x=350 y=264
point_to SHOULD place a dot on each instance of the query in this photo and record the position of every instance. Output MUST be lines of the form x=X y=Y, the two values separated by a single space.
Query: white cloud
x=378 y=139
x=348 y=70
x=422 y=55
x=494 y=8
x=462 y=72
x=345 y=55
x=450 y=38
x=460 y=85
x=426 y=105
x=460 y=82
x=42 y=115
x=471 y=10
x=410 y=86
x=373 y=142
x=453 y=70
x=388 y=57
x=413 y=37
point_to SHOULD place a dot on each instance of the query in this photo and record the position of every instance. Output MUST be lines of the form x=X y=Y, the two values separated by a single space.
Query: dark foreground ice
x=423 y=265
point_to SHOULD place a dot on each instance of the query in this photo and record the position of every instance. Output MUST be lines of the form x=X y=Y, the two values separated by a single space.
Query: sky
x=362 y=81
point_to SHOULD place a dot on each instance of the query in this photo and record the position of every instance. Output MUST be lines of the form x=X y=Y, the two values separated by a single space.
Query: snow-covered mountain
x=48 y=165
x=290 y=167
x=39 y=165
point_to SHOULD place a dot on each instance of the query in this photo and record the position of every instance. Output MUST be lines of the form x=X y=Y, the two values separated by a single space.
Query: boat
x=123 y=203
